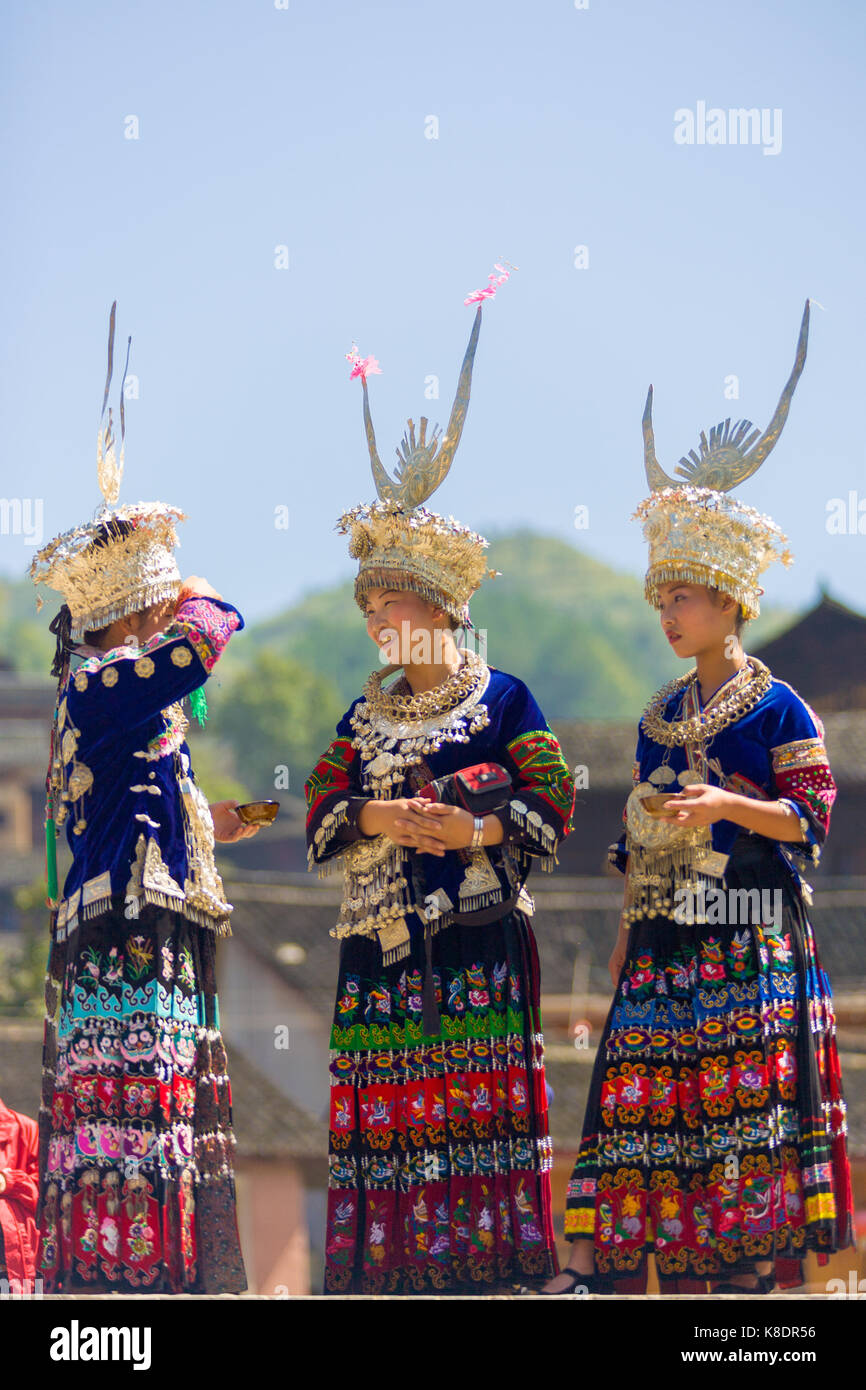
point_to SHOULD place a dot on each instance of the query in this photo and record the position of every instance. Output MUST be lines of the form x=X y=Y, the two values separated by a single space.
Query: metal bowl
x=258 y=812
x=653 y=804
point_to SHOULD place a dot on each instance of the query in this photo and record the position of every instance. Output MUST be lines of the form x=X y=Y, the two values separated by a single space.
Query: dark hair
x=61 y=628
x=93 y=636
x=113 y=530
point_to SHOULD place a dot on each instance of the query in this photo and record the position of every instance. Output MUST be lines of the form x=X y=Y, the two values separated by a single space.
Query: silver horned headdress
x=400 y=544
x=121 y=561
x=695 y=531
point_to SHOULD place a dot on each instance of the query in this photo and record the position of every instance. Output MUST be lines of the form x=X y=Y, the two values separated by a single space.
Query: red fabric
x=19 y=1164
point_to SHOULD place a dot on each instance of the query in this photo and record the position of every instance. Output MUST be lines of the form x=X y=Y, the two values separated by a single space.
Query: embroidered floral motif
x=139 y=953
x=207 y=628
x=445 y=1134
x=172 y=737
x=185 y=972
x=539 y=757
x=699 y=1064
x=139 y=1116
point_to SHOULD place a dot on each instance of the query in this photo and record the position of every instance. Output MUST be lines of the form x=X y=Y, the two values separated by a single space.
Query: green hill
x=26 y=645
x=576 y=630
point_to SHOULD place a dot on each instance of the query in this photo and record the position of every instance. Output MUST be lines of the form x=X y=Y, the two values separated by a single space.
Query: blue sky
x=306 y=127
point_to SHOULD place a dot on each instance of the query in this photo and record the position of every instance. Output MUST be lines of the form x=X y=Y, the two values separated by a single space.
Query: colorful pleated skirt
x=714 y=1135
x=439 y=1150
x=136 y=1142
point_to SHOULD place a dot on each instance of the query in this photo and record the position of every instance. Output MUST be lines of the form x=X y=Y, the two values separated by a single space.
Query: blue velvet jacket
x=773 y=752
x=138 y=825
x=501 y=724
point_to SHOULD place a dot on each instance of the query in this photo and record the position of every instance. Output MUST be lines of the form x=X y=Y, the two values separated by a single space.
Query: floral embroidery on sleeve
x=803 y=779
x=540 y=809
x=207 y=628
x=331 y=811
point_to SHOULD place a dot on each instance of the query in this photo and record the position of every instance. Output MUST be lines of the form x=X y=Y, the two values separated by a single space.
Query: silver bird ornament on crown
x=696 y=532
x=727 y=458
x=423 y=465
x=397 y=541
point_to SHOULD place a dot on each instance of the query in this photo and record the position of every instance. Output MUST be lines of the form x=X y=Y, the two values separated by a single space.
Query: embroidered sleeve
x=127 y=686
x=333 y=801
x=207 y=624
x=802 y=778
x=617 y=854
x=539 y=812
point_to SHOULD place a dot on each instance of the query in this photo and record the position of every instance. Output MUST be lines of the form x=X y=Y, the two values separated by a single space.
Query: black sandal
x=593 y=1283
x=764 y=1284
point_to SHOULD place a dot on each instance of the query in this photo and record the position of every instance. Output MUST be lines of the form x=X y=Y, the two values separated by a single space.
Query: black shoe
x=764 y=1284
x=592 y=1283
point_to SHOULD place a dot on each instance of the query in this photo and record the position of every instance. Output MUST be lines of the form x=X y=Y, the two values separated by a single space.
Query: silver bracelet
x=477 y=834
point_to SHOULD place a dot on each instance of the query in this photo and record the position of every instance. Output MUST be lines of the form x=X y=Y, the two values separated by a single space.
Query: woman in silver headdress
x=714 y=1135
x=136 y=1152
x=436 y=796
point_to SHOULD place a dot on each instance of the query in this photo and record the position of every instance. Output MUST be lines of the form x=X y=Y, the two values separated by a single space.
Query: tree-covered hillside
x=577 y=631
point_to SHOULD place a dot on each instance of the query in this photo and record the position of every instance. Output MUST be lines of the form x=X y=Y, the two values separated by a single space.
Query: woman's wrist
x=794 y=817
x=775 y=819
x=368 y=822
x=735 y=806
x=493 y=832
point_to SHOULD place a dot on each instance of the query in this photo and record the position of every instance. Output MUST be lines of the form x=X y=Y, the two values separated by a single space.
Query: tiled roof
x=575 y=924
x=266 y=1123
x=823 y=655
x=607 y=748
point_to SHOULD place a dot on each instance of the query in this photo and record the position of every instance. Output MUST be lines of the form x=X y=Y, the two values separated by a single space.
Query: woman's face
x=150 y=621
x=403 y=625
x=693 y=621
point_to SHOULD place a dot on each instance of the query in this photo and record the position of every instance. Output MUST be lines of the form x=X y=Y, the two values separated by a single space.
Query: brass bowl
x=258 y=812
x=653 y=804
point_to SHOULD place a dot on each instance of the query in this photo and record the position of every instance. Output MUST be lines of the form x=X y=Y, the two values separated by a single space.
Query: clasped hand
x=427 y=826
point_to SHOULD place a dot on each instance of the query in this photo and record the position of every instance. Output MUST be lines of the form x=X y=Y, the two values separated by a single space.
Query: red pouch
x=481 y=788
